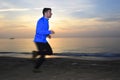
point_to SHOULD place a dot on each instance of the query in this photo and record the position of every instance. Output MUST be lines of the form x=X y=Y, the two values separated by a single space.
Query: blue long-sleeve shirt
x=42 y=30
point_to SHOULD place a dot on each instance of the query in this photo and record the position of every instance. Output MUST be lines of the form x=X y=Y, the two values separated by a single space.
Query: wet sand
x=13 y=68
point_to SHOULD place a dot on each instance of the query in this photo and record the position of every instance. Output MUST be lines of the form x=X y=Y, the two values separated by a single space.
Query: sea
x=65 y=45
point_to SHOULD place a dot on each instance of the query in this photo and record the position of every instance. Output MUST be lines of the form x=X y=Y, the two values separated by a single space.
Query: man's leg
x=43 y=49
x=39 y=61
x=48 y=49
x=36 y=53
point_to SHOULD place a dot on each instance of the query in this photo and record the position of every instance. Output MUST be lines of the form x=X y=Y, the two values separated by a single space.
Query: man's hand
x=49 y=36
x=52 y=32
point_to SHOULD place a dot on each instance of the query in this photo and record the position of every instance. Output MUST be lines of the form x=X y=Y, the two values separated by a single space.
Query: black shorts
x=44 y=48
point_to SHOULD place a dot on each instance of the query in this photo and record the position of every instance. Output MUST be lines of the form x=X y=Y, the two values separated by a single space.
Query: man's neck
x=46 y=17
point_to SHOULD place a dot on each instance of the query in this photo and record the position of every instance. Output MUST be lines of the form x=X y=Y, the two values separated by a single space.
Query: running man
x=40 y=39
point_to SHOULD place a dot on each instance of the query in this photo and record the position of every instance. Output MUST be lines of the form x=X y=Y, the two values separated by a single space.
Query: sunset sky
x=71 y=18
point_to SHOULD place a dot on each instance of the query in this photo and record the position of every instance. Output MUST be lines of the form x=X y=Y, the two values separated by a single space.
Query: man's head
x=47 y=12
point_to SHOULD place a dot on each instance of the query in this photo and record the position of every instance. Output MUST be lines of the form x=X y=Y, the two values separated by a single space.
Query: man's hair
x=45 y=10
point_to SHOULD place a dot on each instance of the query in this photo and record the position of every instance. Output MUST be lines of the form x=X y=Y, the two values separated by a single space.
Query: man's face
x=48 y=14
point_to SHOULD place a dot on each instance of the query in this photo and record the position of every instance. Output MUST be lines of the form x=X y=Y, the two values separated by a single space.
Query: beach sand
x=14 y=68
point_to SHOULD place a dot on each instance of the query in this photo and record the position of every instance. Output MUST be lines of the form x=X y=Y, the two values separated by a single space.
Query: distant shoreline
x=82 y=56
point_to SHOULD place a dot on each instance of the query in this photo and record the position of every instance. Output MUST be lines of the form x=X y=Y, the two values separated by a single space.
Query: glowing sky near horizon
x=71 y=18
